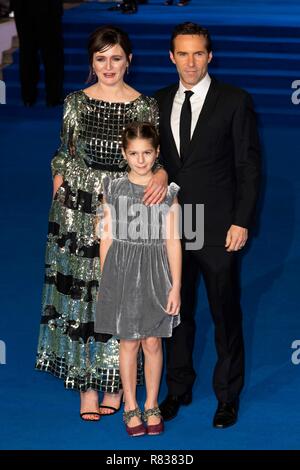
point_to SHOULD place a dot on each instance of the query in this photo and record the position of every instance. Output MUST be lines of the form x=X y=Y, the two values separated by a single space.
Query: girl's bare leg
x=153 y=354
x=128 y=369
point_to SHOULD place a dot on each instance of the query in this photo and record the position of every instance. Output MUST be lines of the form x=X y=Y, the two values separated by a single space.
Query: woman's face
x=110 y=65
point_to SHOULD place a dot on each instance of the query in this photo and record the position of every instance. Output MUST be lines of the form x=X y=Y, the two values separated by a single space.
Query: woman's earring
x=127 y=69
x=92 y=75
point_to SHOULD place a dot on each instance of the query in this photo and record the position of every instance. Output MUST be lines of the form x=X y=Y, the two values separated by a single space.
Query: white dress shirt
x=197 y=99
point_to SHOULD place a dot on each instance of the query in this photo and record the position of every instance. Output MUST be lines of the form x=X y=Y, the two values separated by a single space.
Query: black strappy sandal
x=106 y=407
x=113 y=408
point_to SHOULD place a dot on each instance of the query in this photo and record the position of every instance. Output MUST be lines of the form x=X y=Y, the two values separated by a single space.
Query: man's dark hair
x=194 y=29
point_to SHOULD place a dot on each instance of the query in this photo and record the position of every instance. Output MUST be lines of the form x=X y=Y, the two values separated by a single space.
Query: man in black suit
x=39 y=27
x=210 y=148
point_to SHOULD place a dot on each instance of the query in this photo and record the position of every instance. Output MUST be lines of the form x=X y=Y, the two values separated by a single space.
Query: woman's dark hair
x=140 y=130
x=194 y=29
x=105 y=37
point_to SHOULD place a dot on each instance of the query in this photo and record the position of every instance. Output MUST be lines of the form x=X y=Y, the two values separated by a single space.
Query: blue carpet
x=35 y=410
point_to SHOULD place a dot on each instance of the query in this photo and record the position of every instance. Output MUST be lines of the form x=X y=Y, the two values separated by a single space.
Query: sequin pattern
x=90 y=149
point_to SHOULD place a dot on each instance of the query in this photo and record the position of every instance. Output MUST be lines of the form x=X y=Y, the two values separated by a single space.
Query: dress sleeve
x=148 y=111
x=154 y=113
x=106 y=185
x=66 y=150
x=173 y=189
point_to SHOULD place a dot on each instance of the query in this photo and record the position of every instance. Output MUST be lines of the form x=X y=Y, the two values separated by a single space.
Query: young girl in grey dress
x=140 y=259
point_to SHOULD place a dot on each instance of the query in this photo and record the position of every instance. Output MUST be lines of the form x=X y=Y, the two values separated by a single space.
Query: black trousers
x=39 y=29
x=219 y=270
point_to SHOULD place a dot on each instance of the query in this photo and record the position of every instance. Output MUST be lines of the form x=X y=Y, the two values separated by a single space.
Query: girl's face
x=140 y=155
x=110 y=65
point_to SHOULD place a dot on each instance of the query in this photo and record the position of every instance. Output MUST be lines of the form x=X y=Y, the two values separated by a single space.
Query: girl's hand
x=156 y=190
x=173 y=305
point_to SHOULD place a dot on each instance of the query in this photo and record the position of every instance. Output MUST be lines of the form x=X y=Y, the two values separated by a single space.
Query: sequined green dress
x=90 y=149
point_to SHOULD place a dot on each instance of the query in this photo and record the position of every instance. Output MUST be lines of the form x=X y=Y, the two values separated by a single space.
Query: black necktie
x=185 y=124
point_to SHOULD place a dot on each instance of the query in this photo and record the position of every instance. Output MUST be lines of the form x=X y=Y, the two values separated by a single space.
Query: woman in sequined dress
x=90 y=149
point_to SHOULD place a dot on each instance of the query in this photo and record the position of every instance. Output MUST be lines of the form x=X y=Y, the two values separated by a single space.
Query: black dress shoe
x=171 y=404
x=226 y=414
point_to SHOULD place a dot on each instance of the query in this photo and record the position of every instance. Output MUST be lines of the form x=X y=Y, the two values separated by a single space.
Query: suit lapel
x=166 y=122
x=207 y=109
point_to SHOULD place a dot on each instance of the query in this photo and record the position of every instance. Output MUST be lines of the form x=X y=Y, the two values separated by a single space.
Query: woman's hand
x=156 y=190
x=173 y=305
x=57 y=182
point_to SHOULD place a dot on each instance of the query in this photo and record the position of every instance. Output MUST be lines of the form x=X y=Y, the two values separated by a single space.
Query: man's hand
x=156 y=190
x=236 y=238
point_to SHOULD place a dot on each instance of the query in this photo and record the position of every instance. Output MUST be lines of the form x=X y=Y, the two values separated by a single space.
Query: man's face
x=191 y=58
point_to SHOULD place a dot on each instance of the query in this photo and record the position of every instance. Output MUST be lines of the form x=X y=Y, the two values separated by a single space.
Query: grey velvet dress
x=136 y=278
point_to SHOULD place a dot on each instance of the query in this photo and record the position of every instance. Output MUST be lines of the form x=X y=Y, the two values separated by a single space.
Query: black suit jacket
x=222 y=169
